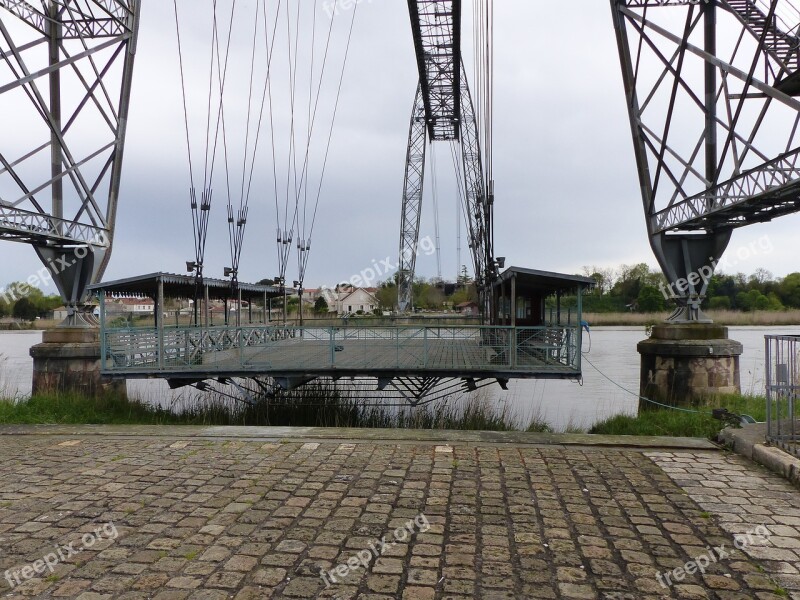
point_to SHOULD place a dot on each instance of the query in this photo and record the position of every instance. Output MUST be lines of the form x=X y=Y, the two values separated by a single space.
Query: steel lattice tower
x=65 y=74
x=443 y=111
x=711 y=90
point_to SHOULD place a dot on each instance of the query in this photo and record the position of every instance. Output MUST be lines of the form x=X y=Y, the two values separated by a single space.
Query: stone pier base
x=68 y=360
x=684 y=363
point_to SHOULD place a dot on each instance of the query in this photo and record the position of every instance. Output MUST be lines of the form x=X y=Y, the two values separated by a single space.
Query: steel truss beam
x=67 y=75
x=710 y=93
x=94 y=19
x=436 y=27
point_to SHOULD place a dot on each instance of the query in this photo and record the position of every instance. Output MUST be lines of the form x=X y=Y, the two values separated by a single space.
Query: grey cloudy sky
x=566 y=185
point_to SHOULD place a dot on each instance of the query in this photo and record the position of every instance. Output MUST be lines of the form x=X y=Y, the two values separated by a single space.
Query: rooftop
x=181 y=286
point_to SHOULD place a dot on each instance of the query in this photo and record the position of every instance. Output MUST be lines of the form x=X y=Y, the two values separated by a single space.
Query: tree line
x=25 y=302
x=641 y=288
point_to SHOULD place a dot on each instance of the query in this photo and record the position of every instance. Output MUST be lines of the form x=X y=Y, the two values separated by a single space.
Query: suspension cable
x=330 y=133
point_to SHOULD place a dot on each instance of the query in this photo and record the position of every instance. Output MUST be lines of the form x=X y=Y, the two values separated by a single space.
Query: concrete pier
x=68 y=360
x=683 y=363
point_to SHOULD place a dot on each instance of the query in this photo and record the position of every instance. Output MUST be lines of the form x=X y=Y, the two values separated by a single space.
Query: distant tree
x=321 y=306
x=775 y=302
x=722 y=285
x=719 y=303
x=789 y=290
x=464 y=279
x=387 y=295
x=761 y=276
x=465 y=294
x=428 y=296
x=603 y=277
x=25 y=309
x=752 y=300
x=651 y=299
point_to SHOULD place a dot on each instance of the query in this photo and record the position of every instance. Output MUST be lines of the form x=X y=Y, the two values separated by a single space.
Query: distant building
x=136 y=305
x=468 y=309
x=60 y=313
x=356 y=300
x=345 y=299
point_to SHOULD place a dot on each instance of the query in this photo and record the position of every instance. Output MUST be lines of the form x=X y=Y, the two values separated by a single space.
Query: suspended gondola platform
x=534 y=337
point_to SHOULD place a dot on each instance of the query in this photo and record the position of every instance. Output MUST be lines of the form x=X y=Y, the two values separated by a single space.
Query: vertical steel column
x=710 y=17
x=53 y=27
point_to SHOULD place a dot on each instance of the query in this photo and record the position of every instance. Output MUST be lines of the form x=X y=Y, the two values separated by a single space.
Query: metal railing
x=279 y=349
x=783 y=390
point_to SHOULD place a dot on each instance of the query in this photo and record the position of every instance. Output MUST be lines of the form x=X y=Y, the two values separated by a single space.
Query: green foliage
x=719 y=303
x=76 y=409
x=631 y=284
x=651 y=299
x=789 y=290
x=26 y=302
x=605 y=303
x=753 y=300
x=321 y=306
x=25 y=309
x=428 y=295
x=387 y=295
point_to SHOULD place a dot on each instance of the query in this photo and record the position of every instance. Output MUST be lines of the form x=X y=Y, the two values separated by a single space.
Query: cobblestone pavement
x=743 y=497
x=156 y=517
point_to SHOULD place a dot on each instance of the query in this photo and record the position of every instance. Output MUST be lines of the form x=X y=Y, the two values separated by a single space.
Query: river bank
x=324 y=405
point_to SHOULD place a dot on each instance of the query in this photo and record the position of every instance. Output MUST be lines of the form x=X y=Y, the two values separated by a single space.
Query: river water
x=563 y=404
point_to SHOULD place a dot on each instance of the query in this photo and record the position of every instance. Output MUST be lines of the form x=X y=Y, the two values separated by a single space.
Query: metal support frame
x=412 y=204
x=713 y=160
x=444 y=106
x=68 y=68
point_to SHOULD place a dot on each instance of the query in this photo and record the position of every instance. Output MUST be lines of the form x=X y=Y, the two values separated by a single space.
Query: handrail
x=267 y=348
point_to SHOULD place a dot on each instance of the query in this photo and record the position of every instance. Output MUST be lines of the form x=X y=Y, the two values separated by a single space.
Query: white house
x=137 y=305
x=355 y=300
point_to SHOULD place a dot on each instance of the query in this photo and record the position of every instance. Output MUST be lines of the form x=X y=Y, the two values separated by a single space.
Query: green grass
x=325 y=406
x=668 y=422
x=315 y=406
x=73 y=409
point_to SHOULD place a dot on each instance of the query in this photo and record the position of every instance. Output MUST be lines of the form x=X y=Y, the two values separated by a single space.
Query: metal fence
x=265 y=349
x=783 y=386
